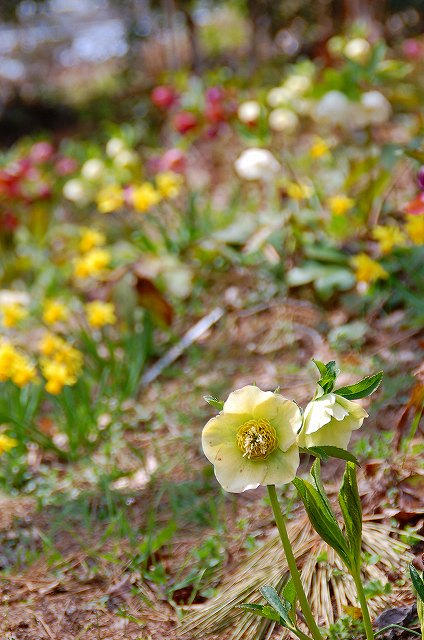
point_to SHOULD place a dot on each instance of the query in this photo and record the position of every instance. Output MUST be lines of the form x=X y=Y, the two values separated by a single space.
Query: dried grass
x=329 y=591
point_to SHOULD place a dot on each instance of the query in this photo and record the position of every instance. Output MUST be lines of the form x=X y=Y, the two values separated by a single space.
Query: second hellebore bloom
x=329 y=421
x=252 y=441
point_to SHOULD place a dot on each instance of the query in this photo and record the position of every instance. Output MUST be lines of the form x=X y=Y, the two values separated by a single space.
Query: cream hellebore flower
x=329 y=421
x=358 y=50
x=334 y=108
x=256 y=164
x=376 y=107
x=283 y=120
x=249 y=111
x=252 y=441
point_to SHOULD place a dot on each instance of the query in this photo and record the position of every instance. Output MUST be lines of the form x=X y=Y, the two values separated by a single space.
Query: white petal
x=353 y=408
x=283 y=414
x=244 y=400
x=281 y=466
x=221 y=430
x=236 y=473
x=317 y=414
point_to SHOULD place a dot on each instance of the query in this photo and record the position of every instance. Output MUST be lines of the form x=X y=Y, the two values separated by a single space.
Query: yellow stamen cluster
x=256 y=439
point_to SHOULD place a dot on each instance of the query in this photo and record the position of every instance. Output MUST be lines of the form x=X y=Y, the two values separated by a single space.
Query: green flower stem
x=364 y=606
x=291 y=561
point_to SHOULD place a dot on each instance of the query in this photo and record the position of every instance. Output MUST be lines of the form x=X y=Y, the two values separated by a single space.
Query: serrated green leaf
x=417 y=581
x=350 y=504
x=322 y=518
x=273 y=599
x=214 y=402
x=361 y=389
x=326 y=452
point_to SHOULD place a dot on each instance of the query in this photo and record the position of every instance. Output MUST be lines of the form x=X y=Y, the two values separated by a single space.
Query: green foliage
x=361 y=389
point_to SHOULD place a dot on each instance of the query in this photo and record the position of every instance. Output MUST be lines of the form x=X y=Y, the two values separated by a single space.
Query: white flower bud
x=256 y=164
x=93 y=169
x=249 y=111
x=358 y=50
x=329 y=421
x=376 y=107
x=283 y=120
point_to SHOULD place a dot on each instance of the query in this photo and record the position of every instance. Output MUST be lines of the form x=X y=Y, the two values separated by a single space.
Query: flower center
x=256 y=439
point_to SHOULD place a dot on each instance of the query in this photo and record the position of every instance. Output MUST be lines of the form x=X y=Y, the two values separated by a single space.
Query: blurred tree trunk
x=193 y=36
x=350 y=11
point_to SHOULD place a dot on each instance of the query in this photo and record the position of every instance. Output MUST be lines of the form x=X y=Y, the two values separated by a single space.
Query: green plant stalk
x=291 y=561
x=356 y=575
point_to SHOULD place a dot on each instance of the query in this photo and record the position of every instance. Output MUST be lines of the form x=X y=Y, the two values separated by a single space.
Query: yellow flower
x=110 y=198
x=57 y=375
x=298 y=191
x=388 y=237
x=54 y=311
x=12 y=313
x=340 y=204
x=58 y=350
x=168 y=184
x=145 y=197
x=8 y=354
x=100 y=313
x=415 y=228
x=49 y=344
x=90 y=238
x=252 y=441
x=92 y=263
x=367 y=269
x=319 y=148
x=23 y=370
x=7 y=443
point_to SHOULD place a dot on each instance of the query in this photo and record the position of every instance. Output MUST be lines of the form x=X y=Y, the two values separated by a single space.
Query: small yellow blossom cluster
x=319 y=148
x=92 y=264
x=90 y=239
x=415 y=228
x=12 y=313
x=299 y=191
x=368 y=270
x=100 y=314
x=340 y=204
x=60 y=363
x=54 y=311
x=142 y=197
x=15 y=365
x=7 y=443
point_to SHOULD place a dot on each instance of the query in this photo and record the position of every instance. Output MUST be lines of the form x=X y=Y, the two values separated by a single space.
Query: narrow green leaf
x=320 y=366
x=272 y=597
x=417 y=581
x=289 y=595
x=332 y=452
x=322 y=518
x=214 y=402
x=361 y=389
x=350 y=504
x=260 y=610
